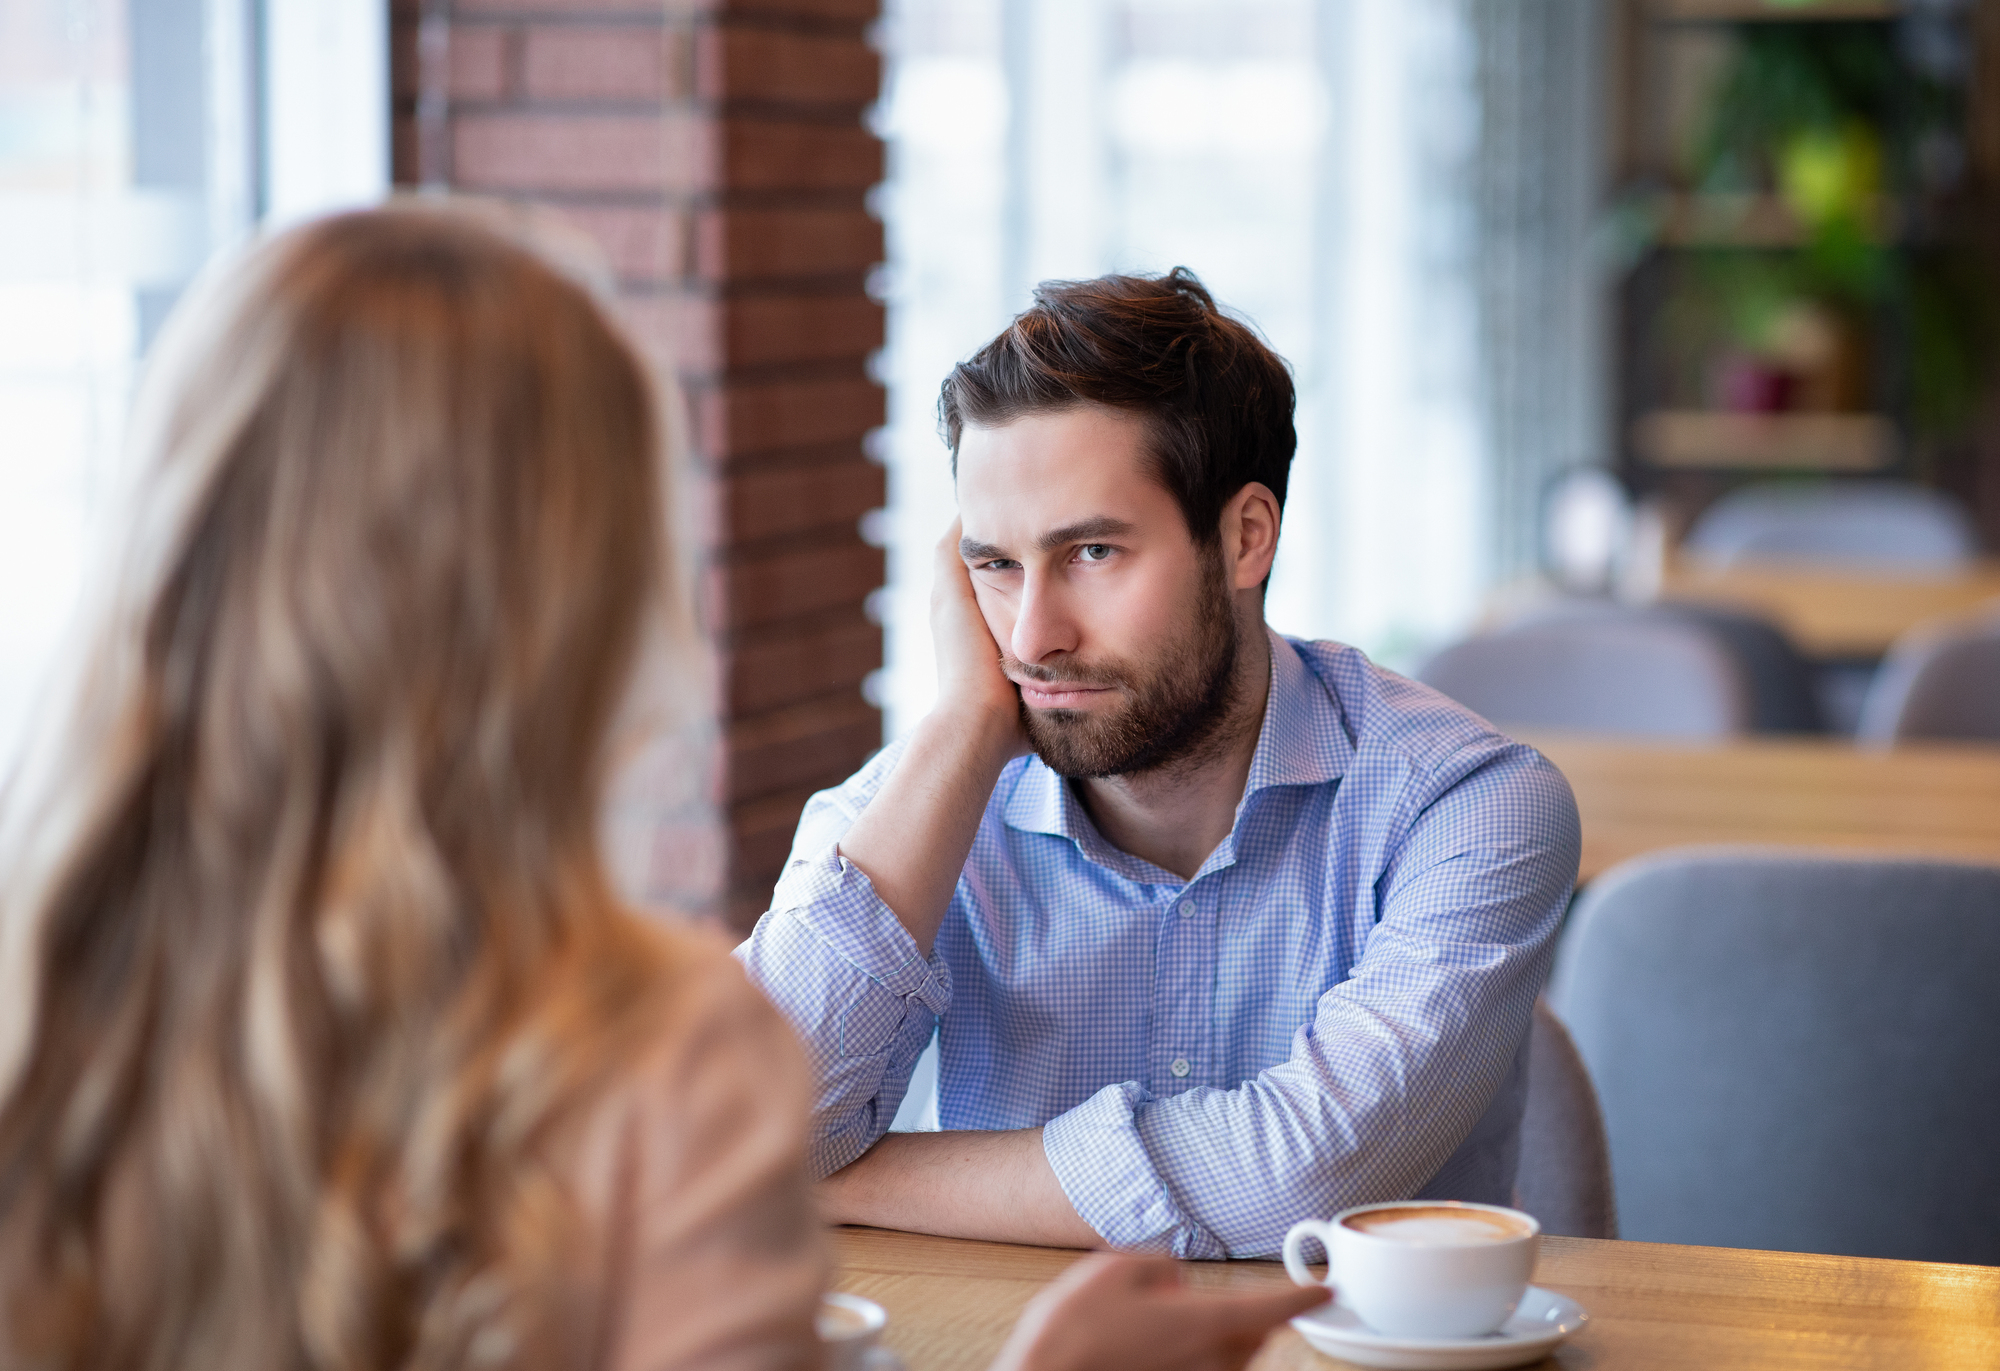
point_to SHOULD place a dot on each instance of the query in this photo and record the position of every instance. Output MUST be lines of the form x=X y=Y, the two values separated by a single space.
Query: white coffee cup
x=848 y=1326
x=1422 y=1268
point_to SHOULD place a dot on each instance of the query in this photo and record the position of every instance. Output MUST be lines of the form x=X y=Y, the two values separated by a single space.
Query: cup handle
x=1295 y=1265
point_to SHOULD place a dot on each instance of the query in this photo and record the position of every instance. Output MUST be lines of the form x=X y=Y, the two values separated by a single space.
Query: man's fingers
x=949 y=567
x=951 y=587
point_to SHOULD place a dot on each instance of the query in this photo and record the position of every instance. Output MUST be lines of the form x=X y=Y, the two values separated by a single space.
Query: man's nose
x=1043 y=623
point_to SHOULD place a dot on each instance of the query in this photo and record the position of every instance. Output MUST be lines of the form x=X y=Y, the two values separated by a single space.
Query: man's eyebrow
x=1082 y=531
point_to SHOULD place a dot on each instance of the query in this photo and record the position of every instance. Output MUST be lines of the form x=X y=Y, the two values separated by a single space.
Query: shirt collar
x=1303 y=741
x=1304 y=738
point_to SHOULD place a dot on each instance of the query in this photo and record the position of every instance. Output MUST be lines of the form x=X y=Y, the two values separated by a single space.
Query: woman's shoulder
x=692 y=1165
x=707 y=1018
x=707 y=1065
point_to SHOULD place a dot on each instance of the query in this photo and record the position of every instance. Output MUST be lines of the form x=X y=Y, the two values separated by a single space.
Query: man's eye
x=998 y=564
x=1095 y=552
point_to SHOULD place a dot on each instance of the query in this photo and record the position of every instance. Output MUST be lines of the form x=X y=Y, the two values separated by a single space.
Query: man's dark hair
x=1217 y=400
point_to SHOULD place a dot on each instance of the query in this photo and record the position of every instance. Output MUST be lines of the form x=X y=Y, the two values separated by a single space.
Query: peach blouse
x=693 y=1169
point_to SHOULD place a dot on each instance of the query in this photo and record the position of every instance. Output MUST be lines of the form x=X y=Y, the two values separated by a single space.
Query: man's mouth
x=1059 y=694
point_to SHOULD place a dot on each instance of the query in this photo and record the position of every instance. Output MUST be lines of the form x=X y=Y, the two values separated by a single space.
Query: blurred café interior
x=1648 y=369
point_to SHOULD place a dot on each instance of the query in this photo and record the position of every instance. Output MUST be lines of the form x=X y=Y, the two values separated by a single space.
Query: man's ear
x=1250 y=535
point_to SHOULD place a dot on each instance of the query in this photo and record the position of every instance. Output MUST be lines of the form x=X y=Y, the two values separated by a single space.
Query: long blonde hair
x=317 y=942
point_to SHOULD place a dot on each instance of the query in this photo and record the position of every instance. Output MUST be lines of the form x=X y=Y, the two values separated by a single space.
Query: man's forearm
x=994 y=1186
x=913 y=837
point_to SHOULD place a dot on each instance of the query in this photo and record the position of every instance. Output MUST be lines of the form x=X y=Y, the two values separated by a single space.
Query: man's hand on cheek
x=911 y=841
x=970 y=682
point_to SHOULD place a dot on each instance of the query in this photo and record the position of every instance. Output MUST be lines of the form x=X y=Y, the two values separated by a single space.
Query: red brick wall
x=715 y=149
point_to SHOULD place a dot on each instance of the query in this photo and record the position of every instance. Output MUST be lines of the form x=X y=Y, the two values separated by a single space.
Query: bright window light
x=130 y=138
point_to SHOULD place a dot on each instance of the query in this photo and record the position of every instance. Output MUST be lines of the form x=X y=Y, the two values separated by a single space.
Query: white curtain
x=1543 y=342
x=1386 y=544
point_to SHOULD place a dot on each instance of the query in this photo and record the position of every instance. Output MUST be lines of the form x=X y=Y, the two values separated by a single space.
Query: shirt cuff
x=1109 y=1179
x=834 y=900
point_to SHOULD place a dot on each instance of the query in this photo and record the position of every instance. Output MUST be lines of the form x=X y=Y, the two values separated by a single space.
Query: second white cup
x=1422 y=1268
x=848 y=1327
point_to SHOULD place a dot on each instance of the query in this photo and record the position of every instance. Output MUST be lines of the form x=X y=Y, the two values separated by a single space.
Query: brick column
x=715 y=149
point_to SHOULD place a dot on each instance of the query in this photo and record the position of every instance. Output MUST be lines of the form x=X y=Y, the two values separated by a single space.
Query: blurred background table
x=1933 y=800
x=1651 y=1305
x=1836 y=612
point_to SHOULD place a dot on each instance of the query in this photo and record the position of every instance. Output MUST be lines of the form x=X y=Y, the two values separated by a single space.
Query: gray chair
x=1795 y=1051
x=1784 y=695
x=1878 y=522
x=1937 y=682
x=1635 y=674
x=1564 y=1178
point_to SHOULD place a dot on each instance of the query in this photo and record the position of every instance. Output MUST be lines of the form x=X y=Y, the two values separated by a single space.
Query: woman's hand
x=1133 y=1312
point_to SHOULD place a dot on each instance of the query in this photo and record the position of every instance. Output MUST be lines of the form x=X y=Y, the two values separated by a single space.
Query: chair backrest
x=1784 y=695
x=1564 y=1178
x=1795 y=1051
x=1869 y=521
x=1635 y=674
x=1937 y=682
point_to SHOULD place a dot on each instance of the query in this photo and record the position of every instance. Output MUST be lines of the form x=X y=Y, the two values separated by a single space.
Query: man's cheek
x=998 y=611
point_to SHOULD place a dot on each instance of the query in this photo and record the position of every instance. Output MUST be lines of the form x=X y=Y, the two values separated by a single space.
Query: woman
x=335 y=1047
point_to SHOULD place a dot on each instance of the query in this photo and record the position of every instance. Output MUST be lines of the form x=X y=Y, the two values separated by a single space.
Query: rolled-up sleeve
x=1397 y=1064
x=840 y=966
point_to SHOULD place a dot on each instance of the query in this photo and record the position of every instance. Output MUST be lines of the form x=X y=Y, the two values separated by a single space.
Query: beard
x=1175 y=703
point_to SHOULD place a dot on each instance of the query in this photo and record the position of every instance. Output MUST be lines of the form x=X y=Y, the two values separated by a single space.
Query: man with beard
x=1217 y=929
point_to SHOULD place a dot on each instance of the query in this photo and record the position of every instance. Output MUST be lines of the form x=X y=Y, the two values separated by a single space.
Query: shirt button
x=1180 y=1066
x=1187 y=909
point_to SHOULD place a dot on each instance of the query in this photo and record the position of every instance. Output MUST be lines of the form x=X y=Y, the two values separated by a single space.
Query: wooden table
x=1651 y=1305
x=1934 y=800
x=1837 y=613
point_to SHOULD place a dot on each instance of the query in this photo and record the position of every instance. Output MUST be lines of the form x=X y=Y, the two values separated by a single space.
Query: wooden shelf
x=1743 y=221
x=1707 y=440
x=1767 y=11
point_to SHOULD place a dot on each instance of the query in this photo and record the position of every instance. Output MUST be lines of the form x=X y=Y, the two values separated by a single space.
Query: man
x=1218 y=930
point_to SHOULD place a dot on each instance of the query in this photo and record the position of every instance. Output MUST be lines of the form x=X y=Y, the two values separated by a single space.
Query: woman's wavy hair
x=309 y=940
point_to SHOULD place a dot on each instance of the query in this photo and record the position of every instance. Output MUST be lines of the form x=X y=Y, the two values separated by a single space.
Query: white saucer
x=1540 y=1321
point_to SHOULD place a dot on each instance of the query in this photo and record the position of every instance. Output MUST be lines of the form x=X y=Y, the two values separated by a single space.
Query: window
x=137 y=140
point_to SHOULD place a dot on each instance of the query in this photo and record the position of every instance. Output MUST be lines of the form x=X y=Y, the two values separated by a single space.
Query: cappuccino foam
x=1437 y=1225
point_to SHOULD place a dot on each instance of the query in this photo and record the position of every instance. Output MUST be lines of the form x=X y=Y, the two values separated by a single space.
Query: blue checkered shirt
x=1333 y=1011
